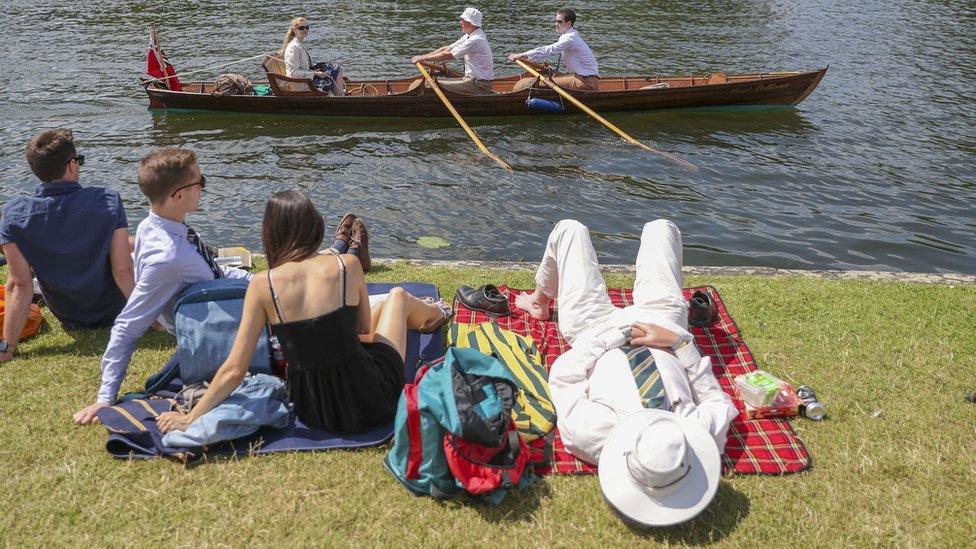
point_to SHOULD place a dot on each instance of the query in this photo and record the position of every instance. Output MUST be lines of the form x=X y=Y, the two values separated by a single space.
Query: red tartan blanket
x=765 y=446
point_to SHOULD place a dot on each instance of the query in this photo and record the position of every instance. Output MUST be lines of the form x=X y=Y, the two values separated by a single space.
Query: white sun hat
x=658 y=468
x=472 y=15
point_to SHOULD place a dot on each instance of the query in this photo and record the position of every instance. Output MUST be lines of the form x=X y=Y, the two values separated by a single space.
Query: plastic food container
x=766 y=396
x=758 y=388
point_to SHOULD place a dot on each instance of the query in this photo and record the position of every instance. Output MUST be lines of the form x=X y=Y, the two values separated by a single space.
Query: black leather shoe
x=486 y=298
x=701 y=309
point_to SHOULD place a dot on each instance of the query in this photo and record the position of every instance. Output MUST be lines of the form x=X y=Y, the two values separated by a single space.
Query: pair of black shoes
x=486 y=299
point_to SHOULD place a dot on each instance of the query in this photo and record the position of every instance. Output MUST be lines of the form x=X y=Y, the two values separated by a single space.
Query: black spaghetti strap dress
x=336 y=382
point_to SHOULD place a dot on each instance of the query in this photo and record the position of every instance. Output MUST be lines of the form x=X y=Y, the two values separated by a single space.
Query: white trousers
x=592 y=385
x=570 y=274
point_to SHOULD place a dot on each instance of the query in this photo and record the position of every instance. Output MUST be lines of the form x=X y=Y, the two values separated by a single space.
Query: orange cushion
x=33 y=325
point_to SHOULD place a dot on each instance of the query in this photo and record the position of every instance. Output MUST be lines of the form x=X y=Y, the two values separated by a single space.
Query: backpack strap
x=274 y=297
x=342 y=279
x=416 y=453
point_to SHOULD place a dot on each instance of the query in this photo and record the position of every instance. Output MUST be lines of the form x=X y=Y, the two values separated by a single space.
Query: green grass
x=894 y=464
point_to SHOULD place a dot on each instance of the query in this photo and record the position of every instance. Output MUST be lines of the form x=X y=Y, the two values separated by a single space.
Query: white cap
x=472 y=15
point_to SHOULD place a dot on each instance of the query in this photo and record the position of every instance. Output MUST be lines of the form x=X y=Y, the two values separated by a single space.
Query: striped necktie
x=205 y=251
x=646 y=376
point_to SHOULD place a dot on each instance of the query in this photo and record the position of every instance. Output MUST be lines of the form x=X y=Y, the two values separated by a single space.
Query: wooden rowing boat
x=407 y=97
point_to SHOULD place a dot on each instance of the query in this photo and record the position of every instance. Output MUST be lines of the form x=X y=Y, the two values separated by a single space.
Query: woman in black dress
x=345 y=362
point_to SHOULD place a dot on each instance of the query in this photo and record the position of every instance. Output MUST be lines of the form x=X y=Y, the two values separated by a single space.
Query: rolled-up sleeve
x=157 y=284
x=122 y=222
x=461 y=47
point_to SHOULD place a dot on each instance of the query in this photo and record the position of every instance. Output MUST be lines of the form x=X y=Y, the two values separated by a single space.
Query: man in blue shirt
x=169 y=256
x=74 y=240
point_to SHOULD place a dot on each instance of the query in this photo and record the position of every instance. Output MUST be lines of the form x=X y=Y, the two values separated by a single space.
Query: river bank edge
x=947 y=279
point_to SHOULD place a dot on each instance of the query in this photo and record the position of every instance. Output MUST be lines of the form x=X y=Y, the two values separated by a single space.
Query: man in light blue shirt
x=169 y=256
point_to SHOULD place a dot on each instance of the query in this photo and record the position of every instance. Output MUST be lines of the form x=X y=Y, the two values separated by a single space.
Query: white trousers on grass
x=592 y=384
x=570 y=274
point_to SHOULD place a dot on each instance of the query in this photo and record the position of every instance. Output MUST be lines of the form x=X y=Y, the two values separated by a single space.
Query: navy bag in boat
x=207 y=316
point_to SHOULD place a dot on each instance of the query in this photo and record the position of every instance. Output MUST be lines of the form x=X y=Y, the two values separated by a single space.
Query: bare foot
x=536 y=304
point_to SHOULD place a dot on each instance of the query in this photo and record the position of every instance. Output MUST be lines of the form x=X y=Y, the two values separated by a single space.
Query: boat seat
x=274 y=67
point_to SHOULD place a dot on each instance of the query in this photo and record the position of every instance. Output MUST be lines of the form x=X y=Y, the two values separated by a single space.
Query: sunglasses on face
x=80 y=158
x=558 y=21
x=302 y=28
x=202 y=183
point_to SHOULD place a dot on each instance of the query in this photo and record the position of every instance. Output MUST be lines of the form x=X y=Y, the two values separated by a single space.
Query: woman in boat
x=298 y=63
x=345 y=362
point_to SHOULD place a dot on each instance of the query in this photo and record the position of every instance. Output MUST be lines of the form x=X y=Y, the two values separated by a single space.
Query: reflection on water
x=874 y=170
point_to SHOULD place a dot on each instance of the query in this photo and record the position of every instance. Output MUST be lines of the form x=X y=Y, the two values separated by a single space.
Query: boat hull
x=741 y=90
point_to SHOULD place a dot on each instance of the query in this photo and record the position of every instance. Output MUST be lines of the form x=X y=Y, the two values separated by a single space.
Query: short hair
x=49 y=152
x=568 y=15
x=163 y=170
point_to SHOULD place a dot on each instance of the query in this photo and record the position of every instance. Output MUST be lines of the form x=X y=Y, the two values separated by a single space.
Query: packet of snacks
x=766 y=395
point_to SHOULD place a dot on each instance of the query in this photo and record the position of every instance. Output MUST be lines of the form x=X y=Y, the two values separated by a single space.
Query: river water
x=875 y=170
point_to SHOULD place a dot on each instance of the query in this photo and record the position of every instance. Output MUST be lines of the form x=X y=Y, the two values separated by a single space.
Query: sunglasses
x=80 y=158
x=202 y=183
x=559 y=21
x=302 y=28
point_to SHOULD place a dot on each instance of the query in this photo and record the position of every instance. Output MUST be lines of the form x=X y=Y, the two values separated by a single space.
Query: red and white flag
x=158 y=67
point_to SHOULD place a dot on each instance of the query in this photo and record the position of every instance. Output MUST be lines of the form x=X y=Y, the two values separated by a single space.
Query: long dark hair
x=293 y=228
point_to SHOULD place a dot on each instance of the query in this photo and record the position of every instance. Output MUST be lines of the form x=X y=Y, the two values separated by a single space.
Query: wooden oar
x=604 y=121
x=454 y=113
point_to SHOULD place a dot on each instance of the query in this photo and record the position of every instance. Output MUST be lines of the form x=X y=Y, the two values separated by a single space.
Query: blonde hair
x=290 y=34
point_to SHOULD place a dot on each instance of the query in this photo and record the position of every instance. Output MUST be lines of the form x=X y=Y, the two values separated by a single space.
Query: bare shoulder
x=354 y=268
x=259 y=283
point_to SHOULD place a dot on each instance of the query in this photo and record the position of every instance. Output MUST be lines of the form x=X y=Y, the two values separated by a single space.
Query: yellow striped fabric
x=534 y=412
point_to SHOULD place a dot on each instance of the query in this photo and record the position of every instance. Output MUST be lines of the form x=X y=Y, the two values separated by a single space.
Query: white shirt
x=577 y=56
x=297 y=60
x=165 y=263
x=593 y=389
x=474 y=48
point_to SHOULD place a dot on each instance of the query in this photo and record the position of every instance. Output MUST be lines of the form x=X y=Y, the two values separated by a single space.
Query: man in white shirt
x=474 y=49
x=577 y=56
x=169 y=256
x=622 y=360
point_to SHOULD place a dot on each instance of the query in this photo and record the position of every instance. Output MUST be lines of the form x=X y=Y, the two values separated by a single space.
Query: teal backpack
x=454 y=431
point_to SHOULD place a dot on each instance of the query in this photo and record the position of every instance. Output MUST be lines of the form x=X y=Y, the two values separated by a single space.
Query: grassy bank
x=894 y=464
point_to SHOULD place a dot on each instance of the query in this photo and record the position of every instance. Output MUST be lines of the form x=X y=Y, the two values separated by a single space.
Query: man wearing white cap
x=474 y=49
x=635 y=369
x=577 y=55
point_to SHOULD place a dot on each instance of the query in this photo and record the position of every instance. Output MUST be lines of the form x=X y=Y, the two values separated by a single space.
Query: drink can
x=810 y=407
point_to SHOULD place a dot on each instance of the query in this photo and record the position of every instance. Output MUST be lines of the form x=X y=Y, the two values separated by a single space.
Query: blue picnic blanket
x=133 y=433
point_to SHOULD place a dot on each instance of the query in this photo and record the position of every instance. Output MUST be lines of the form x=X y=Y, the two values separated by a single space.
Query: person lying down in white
x=593 y=384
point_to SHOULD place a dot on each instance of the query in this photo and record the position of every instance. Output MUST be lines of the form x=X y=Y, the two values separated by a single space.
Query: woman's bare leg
x=374 y=314
x=399 y=313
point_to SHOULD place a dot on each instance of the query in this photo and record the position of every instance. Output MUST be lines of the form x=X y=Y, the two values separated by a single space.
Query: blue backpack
x=207 y=315
x=454 y=431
